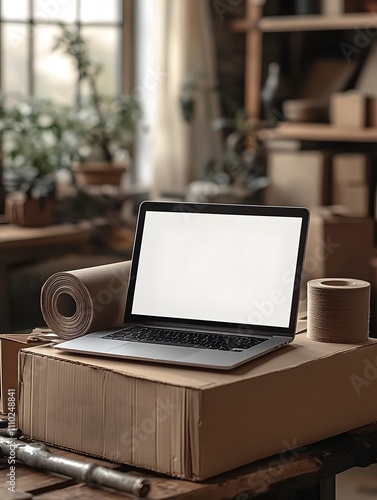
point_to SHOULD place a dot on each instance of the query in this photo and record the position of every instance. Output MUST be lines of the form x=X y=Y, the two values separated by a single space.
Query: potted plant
x=36 y=143
x=105 y=127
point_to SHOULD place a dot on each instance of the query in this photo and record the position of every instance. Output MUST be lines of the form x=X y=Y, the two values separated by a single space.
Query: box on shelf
x=332 y=7
x=10 y=344
x=338 y=7
x=299 y=178
x=353 y=109
x=193 y=423
x=339 y=246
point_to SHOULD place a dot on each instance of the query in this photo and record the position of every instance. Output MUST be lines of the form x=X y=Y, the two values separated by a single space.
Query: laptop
x=211 y=285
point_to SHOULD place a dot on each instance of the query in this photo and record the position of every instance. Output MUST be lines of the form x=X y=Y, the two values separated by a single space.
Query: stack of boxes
x=339 y=189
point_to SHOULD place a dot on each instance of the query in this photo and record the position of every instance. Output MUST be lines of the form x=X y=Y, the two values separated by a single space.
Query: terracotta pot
x=28 y=212
x=98 y=173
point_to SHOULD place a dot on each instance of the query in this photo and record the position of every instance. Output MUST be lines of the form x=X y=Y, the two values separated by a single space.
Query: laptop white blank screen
x=217 y=267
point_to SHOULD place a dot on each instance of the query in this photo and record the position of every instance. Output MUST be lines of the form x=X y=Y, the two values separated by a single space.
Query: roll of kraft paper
x=338 y=310
x=75 y=303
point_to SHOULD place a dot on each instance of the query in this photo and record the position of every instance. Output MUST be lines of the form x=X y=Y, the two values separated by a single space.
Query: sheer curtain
x=177 y=45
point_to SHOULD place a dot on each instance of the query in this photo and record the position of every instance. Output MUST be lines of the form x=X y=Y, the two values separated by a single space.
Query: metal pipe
x=38 y=455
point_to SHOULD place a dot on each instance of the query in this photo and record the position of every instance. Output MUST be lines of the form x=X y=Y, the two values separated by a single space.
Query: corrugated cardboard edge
x=10 y=344
x=182 y=399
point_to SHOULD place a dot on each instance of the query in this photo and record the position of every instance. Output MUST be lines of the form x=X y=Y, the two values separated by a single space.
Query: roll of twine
x=338 y=310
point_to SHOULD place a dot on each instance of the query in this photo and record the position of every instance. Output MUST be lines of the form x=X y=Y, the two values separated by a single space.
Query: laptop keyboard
x=181 y=338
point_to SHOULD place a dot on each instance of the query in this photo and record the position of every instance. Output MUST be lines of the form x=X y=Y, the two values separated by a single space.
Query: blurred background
x=105 y=104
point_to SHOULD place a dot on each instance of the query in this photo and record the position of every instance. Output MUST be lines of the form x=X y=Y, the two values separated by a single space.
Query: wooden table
x=20 y=245
x=306 y=473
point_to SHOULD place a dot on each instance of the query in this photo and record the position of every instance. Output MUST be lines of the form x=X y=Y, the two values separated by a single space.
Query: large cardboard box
x=195 y=423
x=300 y=178
x=338 y=246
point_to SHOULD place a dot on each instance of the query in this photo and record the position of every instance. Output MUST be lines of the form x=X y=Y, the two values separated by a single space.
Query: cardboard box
x=299 y=178
x=348 y=109
x=352 y=180
x=10 y=344
x=332 y=7
x=354 y=197
x=193 y=423
x=353 y=109
x=351 y=168
x=337 y=7
x=338 y=246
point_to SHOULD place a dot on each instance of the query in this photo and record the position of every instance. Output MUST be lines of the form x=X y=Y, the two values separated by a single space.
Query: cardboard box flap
x=21 y=338
x=300 y=352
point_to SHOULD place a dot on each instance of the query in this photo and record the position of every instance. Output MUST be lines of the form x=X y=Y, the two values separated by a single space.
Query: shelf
x=318 y=132
x=358 y=20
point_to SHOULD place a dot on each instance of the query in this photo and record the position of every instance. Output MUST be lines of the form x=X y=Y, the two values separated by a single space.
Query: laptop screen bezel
x=214 y=208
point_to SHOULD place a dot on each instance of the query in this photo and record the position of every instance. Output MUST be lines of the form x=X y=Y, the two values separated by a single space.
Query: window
x=29 y=66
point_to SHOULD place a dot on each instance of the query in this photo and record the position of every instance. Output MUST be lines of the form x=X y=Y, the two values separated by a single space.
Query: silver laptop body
x=211 y=285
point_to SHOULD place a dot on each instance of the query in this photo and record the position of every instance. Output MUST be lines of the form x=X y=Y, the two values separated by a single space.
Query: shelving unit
x=307 y=23
x=318 y=132
x=254 y=25
x=312 y=174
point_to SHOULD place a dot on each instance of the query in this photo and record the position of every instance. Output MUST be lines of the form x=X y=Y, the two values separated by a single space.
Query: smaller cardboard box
x=338 y=246
x=355 y=197
x=348 y=109
x=351 y=168
x=300 y=178
x=337 y=7
x=353 y=109
x=10 y=344
x=352 y=183
x=196 y=423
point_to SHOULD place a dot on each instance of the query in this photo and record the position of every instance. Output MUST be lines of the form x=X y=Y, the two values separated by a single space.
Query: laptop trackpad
x=153 y=351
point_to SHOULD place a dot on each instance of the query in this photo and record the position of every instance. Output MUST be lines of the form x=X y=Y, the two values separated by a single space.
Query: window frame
x=126 y=80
